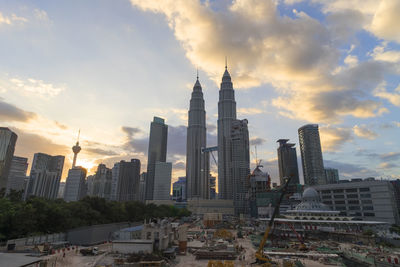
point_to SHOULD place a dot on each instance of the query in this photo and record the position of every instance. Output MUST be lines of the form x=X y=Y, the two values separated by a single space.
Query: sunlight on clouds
x=333 y=138
x=36 y=87
x=10 y=20
x=295 y=55
x=364 y=132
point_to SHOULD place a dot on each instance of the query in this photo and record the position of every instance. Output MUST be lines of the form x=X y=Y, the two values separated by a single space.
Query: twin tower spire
x=197 y=163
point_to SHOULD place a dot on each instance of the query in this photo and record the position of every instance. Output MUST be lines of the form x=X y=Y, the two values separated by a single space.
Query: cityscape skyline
x=358 y=142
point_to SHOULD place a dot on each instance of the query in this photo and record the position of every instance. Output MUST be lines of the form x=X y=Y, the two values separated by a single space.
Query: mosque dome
x=311 y=202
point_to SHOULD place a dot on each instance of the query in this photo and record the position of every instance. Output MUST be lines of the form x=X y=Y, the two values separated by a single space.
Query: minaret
x=226 y=114
x=76 y=149
x=196 y=174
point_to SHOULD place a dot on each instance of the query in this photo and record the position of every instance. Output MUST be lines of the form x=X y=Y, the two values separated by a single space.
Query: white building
x=75 y=186
x=365 y=200
x=162 y=181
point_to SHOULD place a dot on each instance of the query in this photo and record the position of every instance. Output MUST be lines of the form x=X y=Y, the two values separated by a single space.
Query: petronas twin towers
x=232 y=161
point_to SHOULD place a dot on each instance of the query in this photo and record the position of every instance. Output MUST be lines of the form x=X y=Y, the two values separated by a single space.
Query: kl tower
x=76 y=149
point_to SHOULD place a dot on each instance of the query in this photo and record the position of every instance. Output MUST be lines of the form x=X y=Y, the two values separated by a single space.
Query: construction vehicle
x=301 y=246
x=261 y=258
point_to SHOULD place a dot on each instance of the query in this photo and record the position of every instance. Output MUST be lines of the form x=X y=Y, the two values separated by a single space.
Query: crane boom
x=260 y=252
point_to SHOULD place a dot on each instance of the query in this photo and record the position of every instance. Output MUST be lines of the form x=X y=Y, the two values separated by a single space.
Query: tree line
x=38 y=216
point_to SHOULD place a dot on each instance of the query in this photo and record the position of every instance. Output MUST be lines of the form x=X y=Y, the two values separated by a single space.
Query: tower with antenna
x=76 y=149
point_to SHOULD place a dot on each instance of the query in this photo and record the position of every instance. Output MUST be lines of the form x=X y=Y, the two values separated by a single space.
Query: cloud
x=332 y=138
x=40 y=14
x=392 y=97
x=9 y=112
x=364 y=132
x=300 y=54
x=179 y=165
x=35 y=87
x=100 y=151
x=130 y=131
x=387 y=165
x=390 y=156
x=378 y=17
x=249 y=111
x=132 y=142
x=349 y=170
x=10 y=20
x=177 y=140
x=257 y=141
x=211 y=127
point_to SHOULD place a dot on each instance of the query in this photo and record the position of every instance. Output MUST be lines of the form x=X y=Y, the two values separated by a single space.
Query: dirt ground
x=74 y=258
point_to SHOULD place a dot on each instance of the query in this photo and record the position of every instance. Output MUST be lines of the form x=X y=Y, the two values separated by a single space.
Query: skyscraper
x=102 y=182
x=332 y=175
x=197 y=184
x=17 y=174
x=76 y=149
x=157 y=152
x=287 y=161
x=162 y=181
x=226 y=114
x=45 y=176
x=240 y=166
x=7 y=146
x=126 y=181
x=311 y=155
x=75 y=185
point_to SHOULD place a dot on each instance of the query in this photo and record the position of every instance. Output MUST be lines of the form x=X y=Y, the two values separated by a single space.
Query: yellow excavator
x=261 y=258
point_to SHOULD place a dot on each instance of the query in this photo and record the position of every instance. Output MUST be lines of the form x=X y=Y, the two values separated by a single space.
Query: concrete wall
x=135 y=246
x=95 y=234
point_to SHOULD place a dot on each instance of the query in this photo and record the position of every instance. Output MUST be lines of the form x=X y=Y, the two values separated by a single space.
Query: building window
x=148 y=235
x=338 y=196
x=352 y=190
x=340 y=202
x=338 y=191
x=326 y=191
x=328 y=202
x=353 y=202
x=354 y=208
x=326 y=197
x=367 y=201
x=365 y=195
x=369 y=214
x=364 y=189
x=352 y=196
x=368 y=208
x=340 y=207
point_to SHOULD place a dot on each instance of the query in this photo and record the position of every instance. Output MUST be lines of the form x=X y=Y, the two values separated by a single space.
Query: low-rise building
x=179 y=190
x=372 y=200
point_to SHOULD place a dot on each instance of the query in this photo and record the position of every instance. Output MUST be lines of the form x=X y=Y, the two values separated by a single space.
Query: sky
x=107 y=67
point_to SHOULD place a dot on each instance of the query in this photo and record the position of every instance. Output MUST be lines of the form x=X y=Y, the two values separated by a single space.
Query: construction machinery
x=302 y=246
x=261 y=258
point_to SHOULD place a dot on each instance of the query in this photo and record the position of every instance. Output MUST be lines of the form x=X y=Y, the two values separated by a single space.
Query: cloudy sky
x=107 y=67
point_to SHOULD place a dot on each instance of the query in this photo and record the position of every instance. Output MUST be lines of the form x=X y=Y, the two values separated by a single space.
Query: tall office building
x=226 y=115
x=89 y=185
x=61 y=190
x=7 y=146
x=45 y=176
x=102 y=182
x=17 y=174
x=287 y=161
x=179 y=190
x=162 y=181
x=240 y=166
x=75 y=185
x=311 y=155
x=142 y=187
x=213 y=184
x=332 y=175
x=157 y=152
x=126 y=181
x=196 y=169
